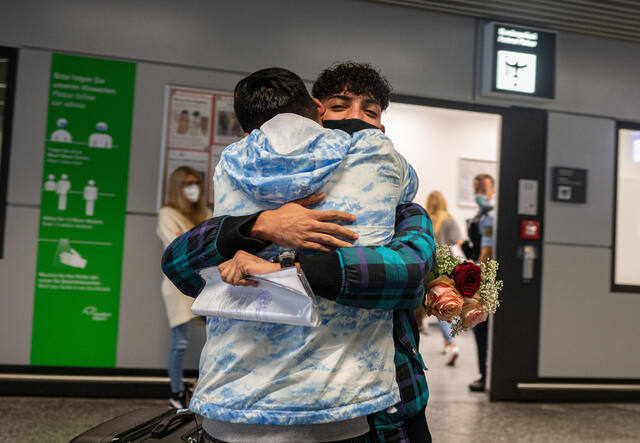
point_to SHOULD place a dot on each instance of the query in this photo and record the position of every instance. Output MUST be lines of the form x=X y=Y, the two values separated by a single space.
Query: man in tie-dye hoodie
x=322 y=382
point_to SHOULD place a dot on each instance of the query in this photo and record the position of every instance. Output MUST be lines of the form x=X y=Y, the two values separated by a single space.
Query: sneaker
x=451 y=355
x=477 y=386
x=178 y=400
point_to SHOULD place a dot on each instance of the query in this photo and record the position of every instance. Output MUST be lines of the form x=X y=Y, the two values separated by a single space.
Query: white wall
x=434 y=139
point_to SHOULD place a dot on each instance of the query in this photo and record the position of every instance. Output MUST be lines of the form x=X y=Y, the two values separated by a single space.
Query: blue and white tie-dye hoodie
x=267 y=373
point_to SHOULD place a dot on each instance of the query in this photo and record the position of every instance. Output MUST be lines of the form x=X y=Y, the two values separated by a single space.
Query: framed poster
x=198 y=125
x=468 y=168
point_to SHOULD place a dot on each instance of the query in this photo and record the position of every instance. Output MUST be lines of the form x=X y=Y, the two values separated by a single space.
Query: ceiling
x=617 y=19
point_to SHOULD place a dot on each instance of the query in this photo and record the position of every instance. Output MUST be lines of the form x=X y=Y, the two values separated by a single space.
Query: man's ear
x=382 y=128
x=246 y=133
x=320 y=106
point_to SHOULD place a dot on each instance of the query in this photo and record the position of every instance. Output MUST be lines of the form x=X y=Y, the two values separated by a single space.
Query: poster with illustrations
x=227 y=128
x=199 y=124
x=467 y=169
x=189 y=119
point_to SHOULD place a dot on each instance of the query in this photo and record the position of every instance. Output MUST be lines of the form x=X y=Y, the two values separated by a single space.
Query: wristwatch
x=286 y=259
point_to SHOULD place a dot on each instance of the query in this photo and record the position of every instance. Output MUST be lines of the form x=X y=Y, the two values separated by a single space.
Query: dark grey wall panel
x=585 y=330
x=588 y=143
x=583 y=325
x=597 y=76
x=18 y=284
x=423 y=53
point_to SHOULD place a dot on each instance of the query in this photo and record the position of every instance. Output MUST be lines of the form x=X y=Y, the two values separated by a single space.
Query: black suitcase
x=145 y=425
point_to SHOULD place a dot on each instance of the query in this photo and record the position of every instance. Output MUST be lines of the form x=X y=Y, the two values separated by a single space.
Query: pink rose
x=472 y=313
x=443 y=300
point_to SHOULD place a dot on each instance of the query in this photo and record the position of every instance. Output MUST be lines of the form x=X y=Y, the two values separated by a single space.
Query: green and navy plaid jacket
x=370 y=277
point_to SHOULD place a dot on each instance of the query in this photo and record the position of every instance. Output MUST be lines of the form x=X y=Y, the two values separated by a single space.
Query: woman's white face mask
x=192 y=193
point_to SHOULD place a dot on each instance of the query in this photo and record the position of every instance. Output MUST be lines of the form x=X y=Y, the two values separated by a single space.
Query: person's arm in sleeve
x=486 y=241
x=378 y=277
x=217 y=240
x=370 y=277
x=201 y=247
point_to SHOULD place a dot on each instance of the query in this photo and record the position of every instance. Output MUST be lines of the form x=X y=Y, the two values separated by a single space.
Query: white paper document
x=280 y=297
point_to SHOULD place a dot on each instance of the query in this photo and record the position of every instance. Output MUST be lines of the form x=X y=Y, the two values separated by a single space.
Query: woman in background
x=186 y=208
x=448 y=233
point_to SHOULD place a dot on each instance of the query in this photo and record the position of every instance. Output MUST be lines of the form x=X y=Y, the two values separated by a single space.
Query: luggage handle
x=170 y=423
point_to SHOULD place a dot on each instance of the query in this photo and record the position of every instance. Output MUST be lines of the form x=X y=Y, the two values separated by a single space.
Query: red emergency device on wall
x=530 y=229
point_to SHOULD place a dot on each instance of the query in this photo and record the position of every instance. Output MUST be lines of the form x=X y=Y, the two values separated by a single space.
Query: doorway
x=448 y=143
x=447 y=148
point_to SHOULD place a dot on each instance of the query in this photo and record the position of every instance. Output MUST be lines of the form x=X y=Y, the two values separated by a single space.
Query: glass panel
x=627 y=247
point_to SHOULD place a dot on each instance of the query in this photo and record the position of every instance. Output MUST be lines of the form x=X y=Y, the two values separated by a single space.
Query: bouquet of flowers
x=460 y=292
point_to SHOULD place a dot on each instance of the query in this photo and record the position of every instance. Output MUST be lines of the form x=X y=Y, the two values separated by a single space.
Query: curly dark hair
x=357 y=78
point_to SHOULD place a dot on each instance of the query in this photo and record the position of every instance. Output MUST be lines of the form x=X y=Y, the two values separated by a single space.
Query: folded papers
x=280 y=297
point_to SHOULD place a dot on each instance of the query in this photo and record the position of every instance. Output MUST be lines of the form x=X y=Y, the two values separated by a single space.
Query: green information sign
x=82 y=216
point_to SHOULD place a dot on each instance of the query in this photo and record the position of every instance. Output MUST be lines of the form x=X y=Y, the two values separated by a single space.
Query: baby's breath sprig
x=489 y=286
x=456 y=326
x=445 y=262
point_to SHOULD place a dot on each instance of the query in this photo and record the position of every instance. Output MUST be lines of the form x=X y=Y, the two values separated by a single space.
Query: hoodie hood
x=289 y=157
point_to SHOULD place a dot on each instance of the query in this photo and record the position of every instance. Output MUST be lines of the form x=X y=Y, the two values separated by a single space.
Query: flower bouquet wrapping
x=461 y=292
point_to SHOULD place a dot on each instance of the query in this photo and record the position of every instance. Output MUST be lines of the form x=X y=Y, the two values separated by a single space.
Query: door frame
x=522 y=155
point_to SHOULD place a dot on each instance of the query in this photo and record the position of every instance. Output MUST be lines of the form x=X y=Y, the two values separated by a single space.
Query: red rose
x=467 y=278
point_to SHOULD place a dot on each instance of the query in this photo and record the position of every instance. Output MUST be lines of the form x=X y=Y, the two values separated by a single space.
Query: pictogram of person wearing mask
x=61 y=134
x=100 y=139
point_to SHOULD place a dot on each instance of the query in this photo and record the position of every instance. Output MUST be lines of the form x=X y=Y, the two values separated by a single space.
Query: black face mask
x=349 y=125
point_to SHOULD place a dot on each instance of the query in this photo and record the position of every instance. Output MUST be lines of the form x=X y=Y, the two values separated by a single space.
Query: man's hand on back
x=296 y=227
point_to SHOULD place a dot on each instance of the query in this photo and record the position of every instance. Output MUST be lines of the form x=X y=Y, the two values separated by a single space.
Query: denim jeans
x=177 y=348
x=445 y=328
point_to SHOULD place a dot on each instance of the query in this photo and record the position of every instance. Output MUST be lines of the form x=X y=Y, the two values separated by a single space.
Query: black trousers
x=414 y=430
x=417 y=428
x=481 y=332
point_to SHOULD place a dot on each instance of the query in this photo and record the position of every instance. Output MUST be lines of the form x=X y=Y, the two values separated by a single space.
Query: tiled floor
x=454 y=414
x=447 y=383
